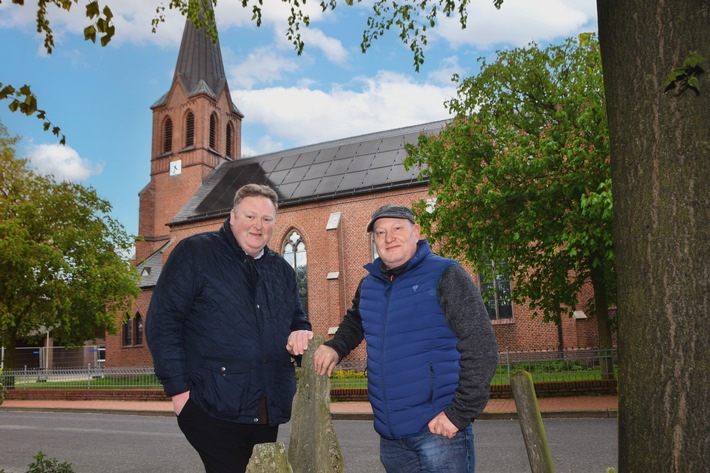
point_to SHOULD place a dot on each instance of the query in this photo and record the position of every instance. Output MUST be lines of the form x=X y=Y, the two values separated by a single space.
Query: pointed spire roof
x=199 y=67
x=199 y=64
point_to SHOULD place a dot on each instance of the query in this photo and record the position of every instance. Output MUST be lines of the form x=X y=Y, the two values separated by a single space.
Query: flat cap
x=391 y=211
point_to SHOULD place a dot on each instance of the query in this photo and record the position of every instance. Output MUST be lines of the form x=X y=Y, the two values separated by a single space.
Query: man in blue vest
x=431 y=351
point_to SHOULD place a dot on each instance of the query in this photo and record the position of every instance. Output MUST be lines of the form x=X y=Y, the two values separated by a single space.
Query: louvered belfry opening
x=213 y=132
x=229 y=141
x=168 y=136
x=190 y=130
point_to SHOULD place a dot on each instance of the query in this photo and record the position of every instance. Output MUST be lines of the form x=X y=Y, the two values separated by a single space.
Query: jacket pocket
x=226 y=387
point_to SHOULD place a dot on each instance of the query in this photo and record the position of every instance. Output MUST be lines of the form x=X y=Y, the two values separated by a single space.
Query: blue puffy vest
x=412 y=360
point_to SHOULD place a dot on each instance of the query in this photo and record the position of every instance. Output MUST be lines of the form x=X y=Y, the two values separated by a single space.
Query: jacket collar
x=377 y=268
x=226 y=233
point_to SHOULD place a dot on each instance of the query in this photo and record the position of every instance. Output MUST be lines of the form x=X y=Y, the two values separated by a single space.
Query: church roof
x=150 y=269
x=346 y=167
x=199 y=67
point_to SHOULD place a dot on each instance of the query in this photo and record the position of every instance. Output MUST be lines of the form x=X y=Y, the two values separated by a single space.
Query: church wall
x=118 y=355
x=335 y=255
x=335 y=267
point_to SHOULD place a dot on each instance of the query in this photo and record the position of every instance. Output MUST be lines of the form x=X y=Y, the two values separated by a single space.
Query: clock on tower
x=175 y=167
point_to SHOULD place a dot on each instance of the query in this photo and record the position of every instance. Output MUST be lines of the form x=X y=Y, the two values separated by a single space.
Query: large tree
x=655 y=60
x=63 y=259
x=522 y=176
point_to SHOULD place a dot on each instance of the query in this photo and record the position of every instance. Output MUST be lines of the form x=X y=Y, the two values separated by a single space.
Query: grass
x=348 y=379
x=550 y=371
x=541 y=371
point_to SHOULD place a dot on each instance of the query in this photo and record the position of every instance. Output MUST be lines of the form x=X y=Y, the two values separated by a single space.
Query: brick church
x=327 y=192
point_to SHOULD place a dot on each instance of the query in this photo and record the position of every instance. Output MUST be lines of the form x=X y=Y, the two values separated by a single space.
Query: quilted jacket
x=218 y=324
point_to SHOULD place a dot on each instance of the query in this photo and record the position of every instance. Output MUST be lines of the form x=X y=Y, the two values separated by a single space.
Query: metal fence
x=586 y=364
x=57 y=358
x=91 y=377
x=544 y=366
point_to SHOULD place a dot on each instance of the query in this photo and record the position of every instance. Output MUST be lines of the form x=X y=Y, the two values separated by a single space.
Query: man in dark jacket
x=223 y=324
x=431 y=351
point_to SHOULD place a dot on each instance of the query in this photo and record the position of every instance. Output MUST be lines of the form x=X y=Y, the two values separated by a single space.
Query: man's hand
x=441 y=425
x=324 y=360
x=179 y=401
x=298 y=342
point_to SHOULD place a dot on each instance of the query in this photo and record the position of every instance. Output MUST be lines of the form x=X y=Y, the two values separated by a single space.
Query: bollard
x=531 y=424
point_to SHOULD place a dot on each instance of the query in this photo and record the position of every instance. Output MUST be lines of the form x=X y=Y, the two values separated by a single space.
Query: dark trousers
x=224 y=447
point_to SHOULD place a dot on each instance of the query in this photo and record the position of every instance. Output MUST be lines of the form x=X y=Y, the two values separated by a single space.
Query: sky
x=100 y=97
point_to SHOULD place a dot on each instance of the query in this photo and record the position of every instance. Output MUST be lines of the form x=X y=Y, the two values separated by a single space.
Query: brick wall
x=344 y=251
x=335 y=256
x=118 y=355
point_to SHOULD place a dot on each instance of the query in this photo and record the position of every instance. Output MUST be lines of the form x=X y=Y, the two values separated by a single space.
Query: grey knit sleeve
x=466 y=315
x=350 y=332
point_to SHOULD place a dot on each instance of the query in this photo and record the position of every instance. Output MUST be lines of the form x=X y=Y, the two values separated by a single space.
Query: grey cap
x=391 y=211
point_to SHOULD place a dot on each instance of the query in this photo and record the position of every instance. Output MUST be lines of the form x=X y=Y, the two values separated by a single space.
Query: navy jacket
x=219 y=329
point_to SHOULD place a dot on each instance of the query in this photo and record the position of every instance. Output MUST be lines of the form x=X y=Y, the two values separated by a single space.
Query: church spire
x=199 y=64
x=196 y=127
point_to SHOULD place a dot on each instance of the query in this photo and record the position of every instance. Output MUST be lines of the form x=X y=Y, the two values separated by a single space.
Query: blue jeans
x=427 y=452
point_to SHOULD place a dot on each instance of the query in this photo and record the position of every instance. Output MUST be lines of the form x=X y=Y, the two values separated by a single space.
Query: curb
x=594 y=414
x=599 y=414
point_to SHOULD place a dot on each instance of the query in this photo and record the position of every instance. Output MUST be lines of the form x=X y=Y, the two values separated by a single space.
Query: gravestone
x=269 y=458
x=314 y=446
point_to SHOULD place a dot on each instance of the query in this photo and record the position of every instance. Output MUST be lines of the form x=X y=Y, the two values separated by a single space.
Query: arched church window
x=168 y=135
x=189 y=130
x=133 y=331
x=495 y=289
x=229 y=141
x=213 y=131
x=128 y=333
x=294 y=252
x=138 y=330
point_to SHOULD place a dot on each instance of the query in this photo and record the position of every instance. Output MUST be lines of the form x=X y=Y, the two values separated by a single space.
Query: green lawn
x=551 y=371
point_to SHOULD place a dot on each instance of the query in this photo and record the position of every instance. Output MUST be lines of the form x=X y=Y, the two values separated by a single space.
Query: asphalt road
x=112 y=443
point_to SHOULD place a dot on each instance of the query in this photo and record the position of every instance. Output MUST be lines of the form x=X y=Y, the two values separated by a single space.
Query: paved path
x=573 y=406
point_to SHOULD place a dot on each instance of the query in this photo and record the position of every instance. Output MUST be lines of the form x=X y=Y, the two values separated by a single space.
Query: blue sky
x=101 y=97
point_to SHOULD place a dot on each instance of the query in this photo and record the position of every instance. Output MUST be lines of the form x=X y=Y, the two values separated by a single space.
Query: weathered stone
x=269 y=458
x=314 y=446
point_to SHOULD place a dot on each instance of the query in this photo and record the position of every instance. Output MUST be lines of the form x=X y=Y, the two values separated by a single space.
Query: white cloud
x=518 y=22
x=16 y=16
x=313 y=116
x=447 y=67
x=264 y=144
x=261 y=66
x=231 y=13
x=63 y=162
x=332 y=48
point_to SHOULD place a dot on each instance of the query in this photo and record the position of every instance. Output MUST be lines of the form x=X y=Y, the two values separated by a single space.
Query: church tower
x=196 y=126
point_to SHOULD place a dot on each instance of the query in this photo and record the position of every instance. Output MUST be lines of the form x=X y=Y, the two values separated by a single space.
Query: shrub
x=42 y=464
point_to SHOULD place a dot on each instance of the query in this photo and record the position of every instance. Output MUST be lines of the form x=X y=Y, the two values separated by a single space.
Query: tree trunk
x=560 y=335
x=660 y=151
x=601 y=306
x=10 y=345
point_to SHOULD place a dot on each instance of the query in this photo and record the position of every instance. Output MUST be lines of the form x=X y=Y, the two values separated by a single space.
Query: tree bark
x=660 y=151
x=10 y=345
x=601 y=306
